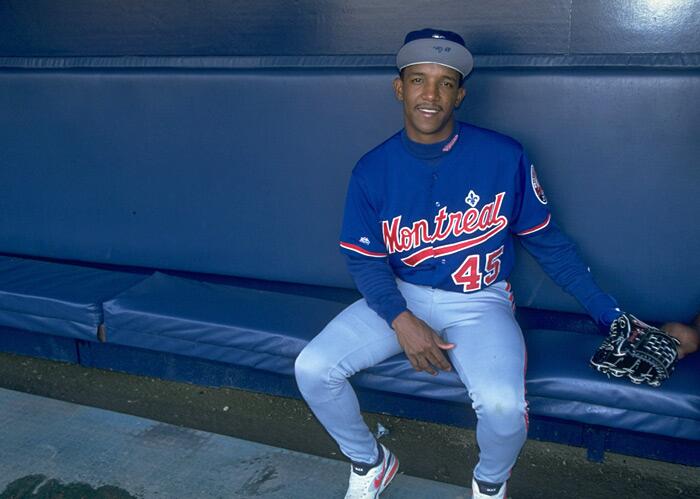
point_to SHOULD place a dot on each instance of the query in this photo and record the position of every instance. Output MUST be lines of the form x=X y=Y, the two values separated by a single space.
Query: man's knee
x=306 y=368
x=313 y=370
x=504 y=408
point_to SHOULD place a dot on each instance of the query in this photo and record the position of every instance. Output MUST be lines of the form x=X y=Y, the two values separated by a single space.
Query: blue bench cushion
x=57 y=298
x=267 y=330
x=243 y=326
x=560 y=384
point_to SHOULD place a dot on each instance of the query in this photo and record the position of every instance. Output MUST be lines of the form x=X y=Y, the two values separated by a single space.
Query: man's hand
x=423 y=347
x=687 y=335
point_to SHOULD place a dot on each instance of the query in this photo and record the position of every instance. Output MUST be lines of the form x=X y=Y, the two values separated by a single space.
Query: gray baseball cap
x=433 y=46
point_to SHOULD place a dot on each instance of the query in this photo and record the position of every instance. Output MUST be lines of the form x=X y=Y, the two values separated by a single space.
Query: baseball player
x=428 y=229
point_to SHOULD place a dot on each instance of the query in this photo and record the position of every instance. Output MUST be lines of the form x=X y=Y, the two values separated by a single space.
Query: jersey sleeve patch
x=362 y=251
x=536 y=187
x=538 y=227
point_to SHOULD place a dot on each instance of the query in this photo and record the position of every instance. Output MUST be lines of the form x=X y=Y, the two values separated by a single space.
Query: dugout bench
x=183 y=223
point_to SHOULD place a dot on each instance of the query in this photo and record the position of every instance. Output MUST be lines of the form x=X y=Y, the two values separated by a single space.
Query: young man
x=428 y=234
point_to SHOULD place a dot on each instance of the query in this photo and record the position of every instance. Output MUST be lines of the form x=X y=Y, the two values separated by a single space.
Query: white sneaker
x=485 y=490
x=373 y=483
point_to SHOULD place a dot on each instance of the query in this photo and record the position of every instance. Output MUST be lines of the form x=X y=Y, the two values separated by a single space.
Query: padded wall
x=312 y=27
x=244 y=172
x=240 y=173
x=158 y=134
x=616 y=152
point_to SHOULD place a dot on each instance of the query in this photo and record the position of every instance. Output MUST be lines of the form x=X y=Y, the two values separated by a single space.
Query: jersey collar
x=430 y=151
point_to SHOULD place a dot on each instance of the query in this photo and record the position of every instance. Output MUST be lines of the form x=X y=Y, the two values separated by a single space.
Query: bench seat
x=560 y=384
x=267 y=330
x=56 y=298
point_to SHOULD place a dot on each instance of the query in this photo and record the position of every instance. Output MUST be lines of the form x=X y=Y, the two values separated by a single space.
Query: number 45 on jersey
x=470 y=276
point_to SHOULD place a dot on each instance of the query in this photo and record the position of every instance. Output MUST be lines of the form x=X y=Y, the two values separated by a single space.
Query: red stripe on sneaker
x=380 y=477
x=391 y=473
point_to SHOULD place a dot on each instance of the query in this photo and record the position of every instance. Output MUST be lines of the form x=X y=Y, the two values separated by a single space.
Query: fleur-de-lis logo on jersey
x=472 y=199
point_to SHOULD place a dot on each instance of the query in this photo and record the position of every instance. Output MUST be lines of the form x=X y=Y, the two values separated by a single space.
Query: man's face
x=430 y=93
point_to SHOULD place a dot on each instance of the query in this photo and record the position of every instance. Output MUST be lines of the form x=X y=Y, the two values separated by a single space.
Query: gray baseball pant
x=489 y=358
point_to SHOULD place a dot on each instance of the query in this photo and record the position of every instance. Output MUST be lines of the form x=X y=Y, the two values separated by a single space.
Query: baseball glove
x=636 y=350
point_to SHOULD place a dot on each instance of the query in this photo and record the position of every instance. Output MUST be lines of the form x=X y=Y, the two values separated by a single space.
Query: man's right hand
x=423 y=347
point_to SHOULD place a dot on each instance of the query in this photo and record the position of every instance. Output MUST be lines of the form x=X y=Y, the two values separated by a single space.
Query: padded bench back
x=243 y=172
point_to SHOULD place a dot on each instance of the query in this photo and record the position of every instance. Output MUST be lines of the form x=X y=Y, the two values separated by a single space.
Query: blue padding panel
x=622 y=184
x=560 y=384
x=267 y=330
x=249 y=327
x=225 y=172
x=42 y=345
x=243 y=172
x=56 y=298
x=184 y=369
x=558 y=361
x=43 y=27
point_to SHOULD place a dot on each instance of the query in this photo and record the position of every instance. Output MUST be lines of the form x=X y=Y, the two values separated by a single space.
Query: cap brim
x=436 y=51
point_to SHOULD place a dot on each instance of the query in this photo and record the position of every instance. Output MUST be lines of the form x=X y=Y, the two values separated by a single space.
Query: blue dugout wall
x=36 y=28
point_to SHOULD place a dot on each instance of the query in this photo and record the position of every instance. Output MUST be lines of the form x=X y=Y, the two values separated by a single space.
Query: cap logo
x=438 y=36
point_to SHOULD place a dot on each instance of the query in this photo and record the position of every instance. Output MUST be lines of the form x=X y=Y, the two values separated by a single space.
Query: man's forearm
x=559 y=258
x=377 y=283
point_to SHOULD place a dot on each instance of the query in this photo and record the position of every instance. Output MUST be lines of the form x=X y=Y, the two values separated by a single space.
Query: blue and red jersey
x=444 y=215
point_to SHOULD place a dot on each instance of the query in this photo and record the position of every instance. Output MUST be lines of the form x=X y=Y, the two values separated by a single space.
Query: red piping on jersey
x=450 y=144
x=536 y=227
x=360 y=250
x=510 y=295
x=527 y=408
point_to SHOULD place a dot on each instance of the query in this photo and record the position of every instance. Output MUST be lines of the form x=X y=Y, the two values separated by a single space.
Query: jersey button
x=437 y=203
x=443 y=261
x=435 y=176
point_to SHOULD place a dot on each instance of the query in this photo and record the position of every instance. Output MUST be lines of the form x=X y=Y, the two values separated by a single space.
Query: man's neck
x=431 y=138
x=431 y=151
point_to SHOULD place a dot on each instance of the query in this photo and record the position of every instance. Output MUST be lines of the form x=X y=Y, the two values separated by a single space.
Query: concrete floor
x=175 y=411
x=61 y=449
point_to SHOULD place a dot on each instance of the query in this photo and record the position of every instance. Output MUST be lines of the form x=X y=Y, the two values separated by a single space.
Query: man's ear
x=461 y=94
x=398 y=88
